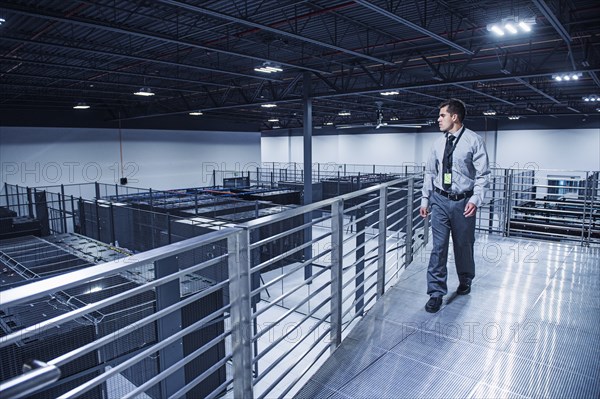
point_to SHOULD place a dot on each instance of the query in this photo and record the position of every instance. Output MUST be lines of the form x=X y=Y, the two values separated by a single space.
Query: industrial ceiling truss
x=229 y=58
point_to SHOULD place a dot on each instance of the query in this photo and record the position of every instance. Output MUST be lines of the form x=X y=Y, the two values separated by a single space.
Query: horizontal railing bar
x=73 y=314
x=303 y=373
x=289 y=273
x=283 y=337
x=82 y=350
x=286 y=372
x=86 y=386
x=284 y=255
x=288 y=293
x=191 y=384
x=39 y=289
x=218 y=391
x=317 y=205
x=363 y=204
x=176 y=366
x=288 y=232
x=296 y=344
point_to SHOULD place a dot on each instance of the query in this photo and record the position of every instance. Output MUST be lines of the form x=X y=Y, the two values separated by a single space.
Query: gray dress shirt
x=470 y=168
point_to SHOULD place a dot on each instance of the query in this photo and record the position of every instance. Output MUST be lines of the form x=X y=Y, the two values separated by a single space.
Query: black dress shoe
x=464 y=288
x=433 y=304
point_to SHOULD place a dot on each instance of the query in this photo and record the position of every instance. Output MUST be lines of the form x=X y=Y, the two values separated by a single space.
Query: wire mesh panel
x=152 y=325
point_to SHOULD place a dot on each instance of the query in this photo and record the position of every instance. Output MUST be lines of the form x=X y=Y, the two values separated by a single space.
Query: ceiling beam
x=45 y=14
x=412 y=25
x=538 y=91
x=242 y=21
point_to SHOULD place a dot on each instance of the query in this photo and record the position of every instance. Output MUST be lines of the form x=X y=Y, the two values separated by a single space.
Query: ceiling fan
x=379 y=122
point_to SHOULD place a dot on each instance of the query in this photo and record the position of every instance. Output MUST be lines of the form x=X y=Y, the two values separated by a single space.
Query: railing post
x=508 y=190
x=241 y=313
x=64 y=208
x=410 y=197
x=97 y=187
x=337 y=252
x=166 y=295
x=30 y=203
x=382 y=247
x=6 y=195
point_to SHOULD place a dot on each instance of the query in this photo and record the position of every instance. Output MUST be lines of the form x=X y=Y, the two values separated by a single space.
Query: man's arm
x=428 y=182
x=481 y=164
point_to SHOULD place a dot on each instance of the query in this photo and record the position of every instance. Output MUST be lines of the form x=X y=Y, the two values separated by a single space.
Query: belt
x=453 y=197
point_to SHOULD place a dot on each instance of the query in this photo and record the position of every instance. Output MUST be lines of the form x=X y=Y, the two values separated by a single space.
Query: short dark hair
x=455 y=107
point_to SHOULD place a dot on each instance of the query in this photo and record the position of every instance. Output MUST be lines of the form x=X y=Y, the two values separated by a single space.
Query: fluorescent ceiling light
x=328 y=123
x=196 y=113
x=389 y=93
x=273 y=120
x=2 y=20
x=81 y=105
x=144 y=91
x=514 y=117
x=268 y=67
x=394 y=118
x=524 y=27
x=496 y=29
x=268 y=105
x=489 y=112
x=344 y=113
x=592 y=98
x=510 y=28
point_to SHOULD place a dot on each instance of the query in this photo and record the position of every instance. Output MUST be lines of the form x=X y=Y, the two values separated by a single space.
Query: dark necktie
x=447 y=161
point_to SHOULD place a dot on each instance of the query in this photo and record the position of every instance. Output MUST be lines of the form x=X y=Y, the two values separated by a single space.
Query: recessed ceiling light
x=196 y=113
x=144 y=91
x=268 y=105
x=81 y=105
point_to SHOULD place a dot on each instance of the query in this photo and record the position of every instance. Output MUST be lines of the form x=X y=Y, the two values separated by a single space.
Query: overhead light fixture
x=344 y=113
x=2 y=20
x=489 y=112
x=591 y=98
x=144 y=91
x=511 y=25
x=394 y=118
x=389 y=93
x=514 y=117
x=196 y=113
x=560 y=77
x=273 y=120
x=598 y=109
x=276 y=127
x=268 y=67
x=269 y=105
x=328 y=124
x=81 y=105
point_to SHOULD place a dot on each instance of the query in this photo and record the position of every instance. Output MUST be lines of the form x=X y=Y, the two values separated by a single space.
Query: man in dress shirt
x=456 y=177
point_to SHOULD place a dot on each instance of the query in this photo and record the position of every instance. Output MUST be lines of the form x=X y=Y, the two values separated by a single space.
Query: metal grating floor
x=530 y=328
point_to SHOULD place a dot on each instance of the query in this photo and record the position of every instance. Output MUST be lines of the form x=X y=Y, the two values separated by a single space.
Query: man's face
x=445 y=120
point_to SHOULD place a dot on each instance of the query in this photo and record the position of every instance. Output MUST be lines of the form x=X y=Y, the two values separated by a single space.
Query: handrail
x=37 y=375
x=37 y=289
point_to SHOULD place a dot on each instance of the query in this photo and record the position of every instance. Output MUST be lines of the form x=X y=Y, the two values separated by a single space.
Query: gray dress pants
x=447 y=217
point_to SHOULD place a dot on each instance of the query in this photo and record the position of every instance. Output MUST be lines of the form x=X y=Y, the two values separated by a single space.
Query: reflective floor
x=529 y=328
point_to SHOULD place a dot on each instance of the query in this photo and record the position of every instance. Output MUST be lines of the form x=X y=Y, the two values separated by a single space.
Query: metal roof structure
x=202 y=55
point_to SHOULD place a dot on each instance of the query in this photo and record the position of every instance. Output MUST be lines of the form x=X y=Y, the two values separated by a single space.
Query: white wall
x=159 y=159
x=575 y=149
x=543 y=149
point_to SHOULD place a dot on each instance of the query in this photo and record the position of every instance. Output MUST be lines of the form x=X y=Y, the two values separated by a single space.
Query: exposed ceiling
x=201 y=55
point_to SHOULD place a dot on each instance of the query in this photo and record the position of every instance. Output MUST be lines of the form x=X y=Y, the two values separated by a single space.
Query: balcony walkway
x=529 y=328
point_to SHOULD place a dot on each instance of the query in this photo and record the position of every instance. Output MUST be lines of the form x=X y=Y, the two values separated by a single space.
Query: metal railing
x=293 y=285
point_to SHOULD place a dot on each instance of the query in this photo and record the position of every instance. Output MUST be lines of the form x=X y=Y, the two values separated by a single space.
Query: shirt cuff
x=424 y=202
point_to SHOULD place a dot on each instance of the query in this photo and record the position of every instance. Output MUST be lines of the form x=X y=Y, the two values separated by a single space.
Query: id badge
x=447 y=178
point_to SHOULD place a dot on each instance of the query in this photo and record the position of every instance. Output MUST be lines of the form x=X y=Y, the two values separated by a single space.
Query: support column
x=307 y=122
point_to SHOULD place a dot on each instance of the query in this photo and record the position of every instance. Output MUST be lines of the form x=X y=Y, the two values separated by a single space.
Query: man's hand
x=424 y=211
x=470 y=210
